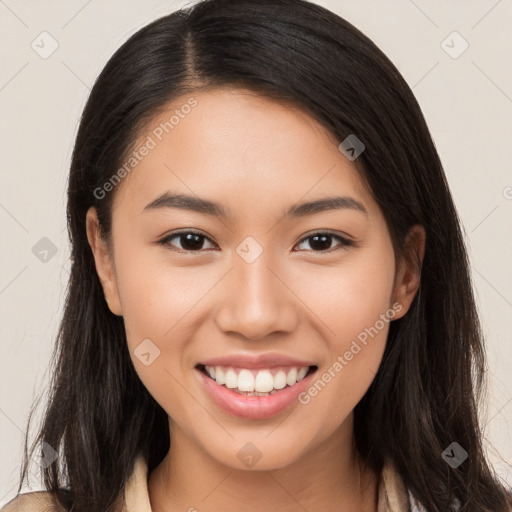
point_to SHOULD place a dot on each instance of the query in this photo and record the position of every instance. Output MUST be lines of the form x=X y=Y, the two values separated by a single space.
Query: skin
x=257 y=158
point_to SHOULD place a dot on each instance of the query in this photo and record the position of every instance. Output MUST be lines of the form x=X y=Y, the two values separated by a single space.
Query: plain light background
x=465 y=96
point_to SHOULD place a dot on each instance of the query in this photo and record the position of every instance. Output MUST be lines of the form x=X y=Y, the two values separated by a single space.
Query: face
x=317 y=285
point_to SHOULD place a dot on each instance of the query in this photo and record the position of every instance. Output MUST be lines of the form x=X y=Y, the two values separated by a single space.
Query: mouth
x=256 y=382
x=238 y=395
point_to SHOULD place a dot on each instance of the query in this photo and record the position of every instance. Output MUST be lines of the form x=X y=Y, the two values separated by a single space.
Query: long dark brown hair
x=426 y=394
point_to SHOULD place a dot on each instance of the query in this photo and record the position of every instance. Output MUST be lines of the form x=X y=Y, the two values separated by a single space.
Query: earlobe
x=103 y=261
x=409 y=273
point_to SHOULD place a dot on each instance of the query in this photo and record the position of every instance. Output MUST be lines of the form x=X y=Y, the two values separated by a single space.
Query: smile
x=256 y=382
x=255 y=393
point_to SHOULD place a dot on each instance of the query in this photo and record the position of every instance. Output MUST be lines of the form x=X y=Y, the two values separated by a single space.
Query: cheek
x=161 y=310
x=350 y=297
x=353 y=302
x=158 y=305
x=156 y=296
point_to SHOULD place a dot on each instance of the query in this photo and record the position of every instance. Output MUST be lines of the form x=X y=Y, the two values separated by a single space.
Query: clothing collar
x=392 y=494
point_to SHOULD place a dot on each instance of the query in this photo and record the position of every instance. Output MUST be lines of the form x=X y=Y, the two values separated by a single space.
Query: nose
x=256 y=301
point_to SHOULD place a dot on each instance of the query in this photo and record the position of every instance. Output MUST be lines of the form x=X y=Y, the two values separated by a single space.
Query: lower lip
x=254 y=407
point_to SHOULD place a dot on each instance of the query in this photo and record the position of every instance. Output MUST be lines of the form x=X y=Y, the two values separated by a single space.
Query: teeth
x=218 y=375
x=291 y=378
x=246 y=381
x=255 y=382
x=231 y=379
x=302 y=373
x=280 y=380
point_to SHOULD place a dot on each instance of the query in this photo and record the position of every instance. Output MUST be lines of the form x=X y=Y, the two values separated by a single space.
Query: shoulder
x=37 y=501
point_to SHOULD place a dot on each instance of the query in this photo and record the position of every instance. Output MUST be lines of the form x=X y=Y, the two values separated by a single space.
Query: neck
x=331 y=476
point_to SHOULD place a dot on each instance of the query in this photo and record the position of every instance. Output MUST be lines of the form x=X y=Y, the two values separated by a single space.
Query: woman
x=270 y=304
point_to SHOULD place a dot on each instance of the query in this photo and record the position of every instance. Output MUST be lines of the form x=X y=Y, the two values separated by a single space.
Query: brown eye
x=188 y=241
x=321 y=241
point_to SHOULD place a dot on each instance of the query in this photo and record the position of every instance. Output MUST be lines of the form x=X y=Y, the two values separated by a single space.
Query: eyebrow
x=206 y=207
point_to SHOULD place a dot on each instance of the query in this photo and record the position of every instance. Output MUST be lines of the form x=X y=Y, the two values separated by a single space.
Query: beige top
x=393 y=496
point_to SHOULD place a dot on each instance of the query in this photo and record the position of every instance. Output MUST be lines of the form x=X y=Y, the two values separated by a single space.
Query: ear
x=104 y=262
x=408 y=275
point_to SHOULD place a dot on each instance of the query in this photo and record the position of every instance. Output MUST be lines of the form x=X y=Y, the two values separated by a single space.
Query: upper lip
x=257 y=361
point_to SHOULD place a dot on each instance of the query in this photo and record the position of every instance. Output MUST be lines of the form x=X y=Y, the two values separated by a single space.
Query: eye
x=190 y=241
x=321 y=241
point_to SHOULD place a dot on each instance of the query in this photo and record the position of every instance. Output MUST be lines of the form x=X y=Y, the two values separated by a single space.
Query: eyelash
x=345 y=242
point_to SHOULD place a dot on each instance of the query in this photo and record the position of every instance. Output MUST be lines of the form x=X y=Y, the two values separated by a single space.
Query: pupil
x=324 y=242
x=192 y=240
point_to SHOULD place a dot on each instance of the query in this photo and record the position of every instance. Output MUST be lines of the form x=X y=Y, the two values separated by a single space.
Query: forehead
x=238 y=148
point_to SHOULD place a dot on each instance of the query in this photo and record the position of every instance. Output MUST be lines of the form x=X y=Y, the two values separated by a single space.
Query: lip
x=257 y=361
x=254 y=407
